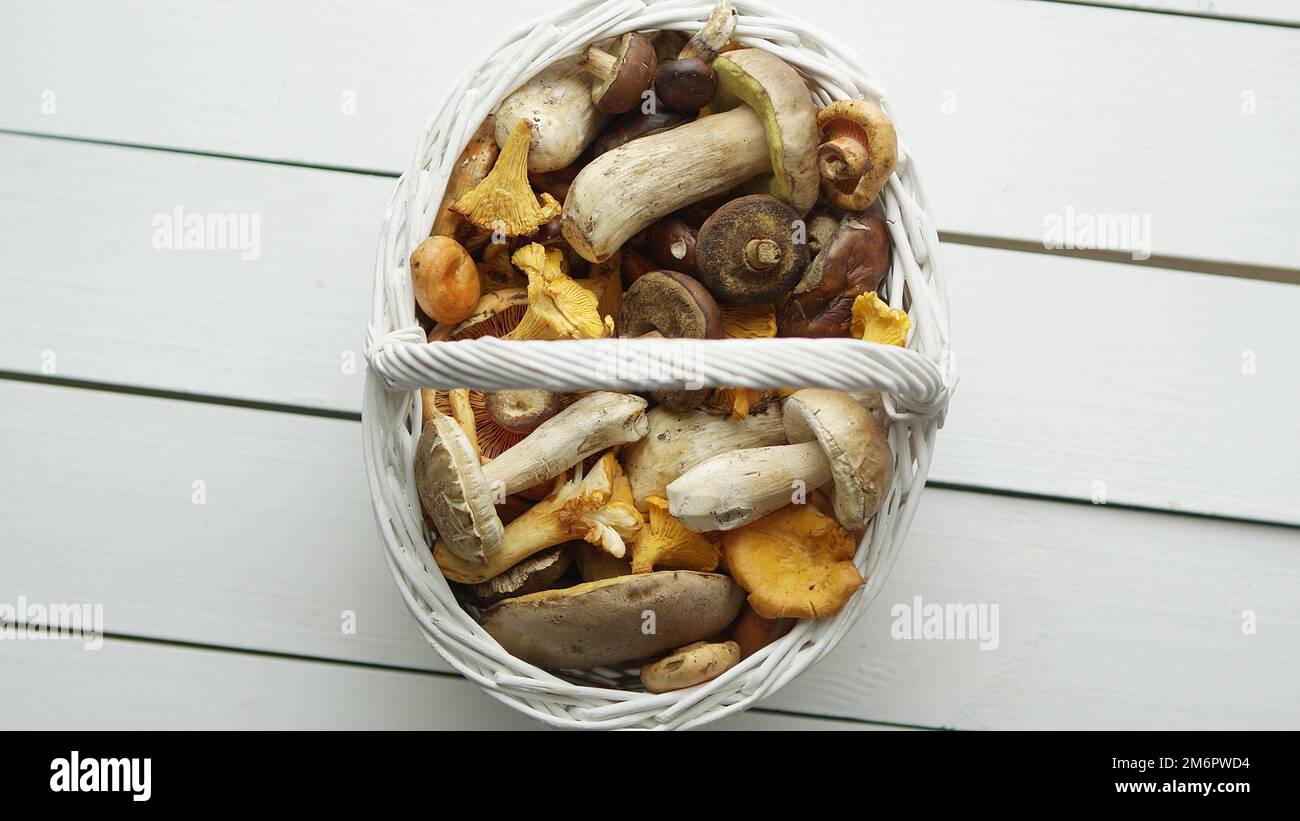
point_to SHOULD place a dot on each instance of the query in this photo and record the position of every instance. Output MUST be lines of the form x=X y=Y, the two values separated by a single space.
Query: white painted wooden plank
x=1073 y=371
x=1018 y=110
x=1281 y=12
x=1108 y=618
x=143 y=686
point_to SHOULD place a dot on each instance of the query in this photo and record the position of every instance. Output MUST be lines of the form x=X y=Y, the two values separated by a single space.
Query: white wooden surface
x=1163 y=388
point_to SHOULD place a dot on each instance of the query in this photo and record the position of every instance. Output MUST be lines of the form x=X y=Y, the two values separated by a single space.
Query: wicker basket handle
x=404 y=362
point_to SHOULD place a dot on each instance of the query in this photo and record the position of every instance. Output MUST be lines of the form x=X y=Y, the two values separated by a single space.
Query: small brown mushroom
x=672 y=244
x=538 y=572
x=522 y=410
x=635 y=124
x=445 y=279
x=746 y=251
x=689 y=82
x=852 y=262
x=690 y=665
x=671 y=305
x=623 y=75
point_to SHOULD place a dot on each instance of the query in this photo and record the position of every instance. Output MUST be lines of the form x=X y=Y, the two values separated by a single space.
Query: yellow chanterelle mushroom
x=666 y=542
x=504 y=201
x=558 y=307
x=875 y=321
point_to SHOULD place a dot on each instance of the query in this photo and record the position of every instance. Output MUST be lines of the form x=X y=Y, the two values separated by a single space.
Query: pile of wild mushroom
x=680 y=188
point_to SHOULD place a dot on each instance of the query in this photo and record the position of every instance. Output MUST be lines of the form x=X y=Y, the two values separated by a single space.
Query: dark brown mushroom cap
x=635 y=124
x=686 y=85
x=746 y=253
x=623 y=76
x=672 y=244
x=672 y=305
x=853 y=262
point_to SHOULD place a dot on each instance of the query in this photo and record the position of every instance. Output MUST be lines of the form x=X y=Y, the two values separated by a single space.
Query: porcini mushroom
x=770 y=130
x=458 y=493
x=558 y=307
x=858 y=153
x=853 y=261
x=596 y=508
x=875 y=321
x=538 y=572
x=445 y=279
x=677 y=441
x=622 y=76
x=794 y=563
x=746 y=251
x=557 y=103
x=604 y=622
x=690 y=665
x=834 y=438
x=688 y=83
x=664 y=542
x=504 y=202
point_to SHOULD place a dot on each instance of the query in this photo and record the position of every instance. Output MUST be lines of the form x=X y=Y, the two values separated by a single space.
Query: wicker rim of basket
x=917 y=381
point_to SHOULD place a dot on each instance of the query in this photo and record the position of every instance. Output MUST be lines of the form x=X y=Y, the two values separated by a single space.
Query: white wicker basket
x=917 y=381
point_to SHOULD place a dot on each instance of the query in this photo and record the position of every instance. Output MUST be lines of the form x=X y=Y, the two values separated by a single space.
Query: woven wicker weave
x=917 y=381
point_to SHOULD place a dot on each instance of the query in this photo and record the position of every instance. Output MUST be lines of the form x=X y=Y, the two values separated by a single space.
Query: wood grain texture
x=1280 y=12
x=1108 y=618
x=1018 y=110
x=1135 y=375
x=144 y=686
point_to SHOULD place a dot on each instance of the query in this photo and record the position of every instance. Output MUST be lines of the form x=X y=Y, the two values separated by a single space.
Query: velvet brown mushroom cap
x=746 y=253
x=623 y=75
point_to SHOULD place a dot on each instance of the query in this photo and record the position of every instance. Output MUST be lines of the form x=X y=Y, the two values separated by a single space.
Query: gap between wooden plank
x=176 y=686
x=1234 y=12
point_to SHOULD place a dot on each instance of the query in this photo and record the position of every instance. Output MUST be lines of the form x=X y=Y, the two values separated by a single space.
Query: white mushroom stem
x=734 y=489
x=590 y=425
x=621 y=192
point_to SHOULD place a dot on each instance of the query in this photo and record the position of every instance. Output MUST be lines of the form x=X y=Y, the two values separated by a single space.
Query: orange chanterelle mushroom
x=795 y=563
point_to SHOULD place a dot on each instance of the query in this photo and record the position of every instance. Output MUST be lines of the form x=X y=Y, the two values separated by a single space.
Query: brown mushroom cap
x=672 y=305
x=604 y=622
x=862 y=463
x=672 y=244
x=635 y=124
x=522 y=410
x=623 y=75
x=746 y=253
x=853 y=262
x=690 y=665
x=686 y=85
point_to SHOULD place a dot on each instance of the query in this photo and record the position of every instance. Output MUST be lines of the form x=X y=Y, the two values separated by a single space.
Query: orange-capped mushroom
x=794 y=563
x=666 y=542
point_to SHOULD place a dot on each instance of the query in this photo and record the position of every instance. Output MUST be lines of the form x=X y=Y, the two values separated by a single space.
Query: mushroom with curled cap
x=747 y=252
x=858 y=153
x=558 y=307
x=794 y=563
x=875 y=321
x=851 y=262
x=459 y=494
x=623 y=75
x=834 y=438
x=766 y=129
x=664 y=542
x=538 y=572
x=596 y=508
